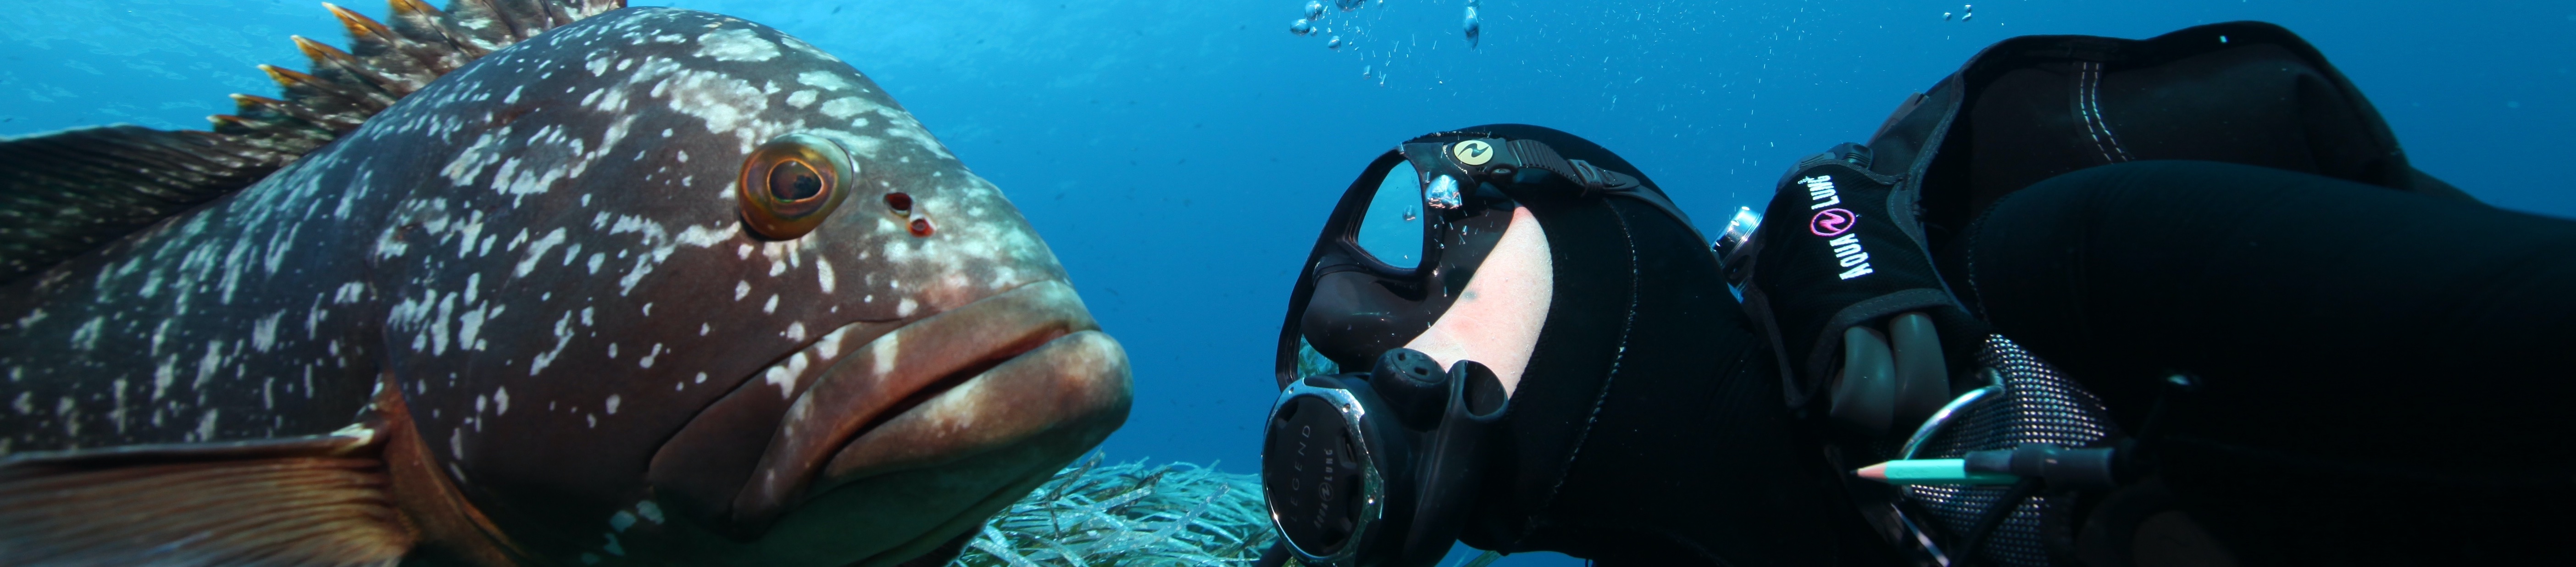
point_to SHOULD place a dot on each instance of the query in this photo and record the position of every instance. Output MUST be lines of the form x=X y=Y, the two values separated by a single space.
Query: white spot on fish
x=847 y=107
x=563 y=336
x=703 y=237
x=86 y=337
x=741 y=289
x=830 y=345
x=537 y=251
x=612 y=404
x=205 y=424
x=736 y=45
x=772 y=306
x=825 y=80
x=784 y=376
x=823 y=270
x=885 y=349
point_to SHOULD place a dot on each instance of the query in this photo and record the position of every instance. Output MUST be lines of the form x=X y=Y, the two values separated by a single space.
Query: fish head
x=665 y=286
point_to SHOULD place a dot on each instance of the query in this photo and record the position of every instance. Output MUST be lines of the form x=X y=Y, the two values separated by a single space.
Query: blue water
x=1179 y=156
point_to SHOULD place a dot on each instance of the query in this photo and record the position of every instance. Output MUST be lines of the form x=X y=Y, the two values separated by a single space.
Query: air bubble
x=1471 y=27
x=1336 y=43
x=1301 y=27
x=1314 y=10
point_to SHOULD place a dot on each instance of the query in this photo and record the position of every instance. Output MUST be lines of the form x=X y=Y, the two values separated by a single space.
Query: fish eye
x=791 y=181
x=790 y=184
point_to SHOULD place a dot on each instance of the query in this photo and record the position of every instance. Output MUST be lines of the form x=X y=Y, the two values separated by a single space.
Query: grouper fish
x=531 y=282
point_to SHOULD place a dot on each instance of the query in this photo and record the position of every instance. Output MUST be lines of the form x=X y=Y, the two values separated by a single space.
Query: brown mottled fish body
x=592 y=359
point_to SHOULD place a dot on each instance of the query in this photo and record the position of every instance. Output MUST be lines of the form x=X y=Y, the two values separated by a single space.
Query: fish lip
x=887 y=378
x=1075 y=381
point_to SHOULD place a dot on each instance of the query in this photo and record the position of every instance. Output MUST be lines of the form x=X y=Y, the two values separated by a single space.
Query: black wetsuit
x=2385 y=377
x=2382 y=379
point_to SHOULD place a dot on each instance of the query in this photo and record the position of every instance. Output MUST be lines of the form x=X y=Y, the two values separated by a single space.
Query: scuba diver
x=2088 y=301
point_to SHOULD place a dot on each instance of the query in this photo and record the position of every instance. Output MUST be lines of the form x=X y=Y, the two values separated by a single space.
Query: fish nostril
x=900 y=201
x=920 y=226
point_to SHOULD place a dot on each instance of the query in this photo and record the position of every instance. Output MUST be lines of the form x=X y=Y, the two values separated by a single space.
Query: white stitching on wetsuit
x=2088 y=105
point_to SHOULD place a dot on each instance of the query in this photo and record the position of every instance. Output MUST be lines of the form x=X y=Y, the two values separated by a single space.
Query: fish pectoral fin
x=319 y=500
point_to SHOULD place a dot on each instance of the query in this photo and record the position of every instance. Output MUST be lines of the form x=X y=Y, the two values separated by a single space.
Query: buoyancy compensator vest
x=1850 y=274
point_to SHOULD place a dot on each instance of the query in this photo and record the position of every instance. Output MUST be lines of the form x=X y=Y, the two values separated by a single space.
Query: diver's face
x=1484 y=299
x=1496 y=320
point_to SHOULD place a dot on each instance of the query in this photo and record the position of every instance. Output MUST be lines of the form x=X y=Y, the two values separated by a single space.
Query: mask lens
x=1392 y=228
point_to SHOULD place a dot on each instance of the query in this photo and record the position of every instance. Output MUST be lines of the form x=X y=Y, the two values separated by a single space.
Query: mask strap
x=1530 y=153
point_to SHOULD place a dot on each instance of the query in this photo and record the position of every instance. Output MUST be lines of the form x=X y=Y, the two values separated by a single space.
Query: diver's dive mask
x=1431 y=179
x=1372 y=469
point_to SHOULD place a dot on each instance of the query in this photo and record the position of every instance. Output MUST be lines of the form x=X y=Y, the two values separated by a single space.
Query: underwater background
x=1180 y=156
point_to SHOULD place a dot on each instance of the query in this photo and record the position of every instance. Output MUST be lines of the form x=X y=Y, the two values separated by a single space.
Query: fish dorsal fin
x=385 y=62
x=318 y=500
x=64 y=193
x=67 y=192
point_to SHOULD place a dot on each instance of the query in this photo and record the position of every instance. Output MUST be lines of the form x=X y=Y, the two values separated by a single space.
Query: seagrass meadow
x=1128 y=514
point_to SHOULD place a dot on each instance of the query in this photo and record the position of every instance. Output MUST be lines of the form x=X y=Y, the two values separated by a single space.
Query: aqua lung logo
x=1836 y=224
x=1472 y=152
x=1832 y=222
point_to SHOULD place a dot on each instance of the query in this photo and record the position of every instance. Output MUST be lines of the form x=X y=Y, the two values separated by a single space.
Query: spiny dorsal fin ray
x=67 y=192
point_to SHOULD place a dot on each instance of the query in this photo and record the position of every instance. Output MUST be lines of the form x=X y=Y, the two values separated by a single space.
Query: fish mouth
x=1026 y=366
